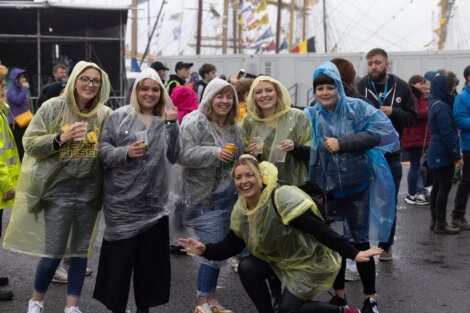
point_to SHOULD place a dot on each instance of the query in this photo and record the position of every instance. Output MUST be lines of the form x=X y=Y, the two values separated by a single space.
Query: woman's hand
x=332 y=144
x=287 y=145
x=10 y=194
x=136 y=149
x=171 y=114
x=252 y=147
x=364 y=256
x=225 y=156
x=75 y=131
x=192 y=246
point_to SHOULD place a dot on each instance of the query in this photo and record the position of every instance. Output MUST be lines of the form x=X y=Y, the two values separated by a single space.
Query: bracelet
x=168 y=122
x=57 y=139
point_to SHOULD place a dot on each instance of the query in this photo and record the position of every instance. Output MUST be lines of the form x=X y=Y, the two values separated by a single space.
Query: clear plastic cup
x=259 y=144
x=85 y=127
x=142 y=135
x=280 y=154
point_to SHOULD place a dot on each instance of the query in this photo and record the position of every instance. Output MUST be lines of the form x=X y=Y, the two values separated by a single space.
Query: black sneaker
x=335 y=300
x=370 y=306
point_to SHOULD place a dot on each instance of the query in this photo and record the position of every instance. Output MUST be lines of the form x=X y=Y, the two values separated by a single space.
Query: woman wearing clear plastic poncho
x=286 y=236
x=136 y=197
x=208 y=191
x=278 y=128
x=59 y=190
x=349 y=139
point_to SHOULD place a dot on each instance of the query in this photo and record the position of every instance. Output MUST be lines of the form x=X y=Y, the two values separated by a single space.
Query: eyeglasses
x=86 y=81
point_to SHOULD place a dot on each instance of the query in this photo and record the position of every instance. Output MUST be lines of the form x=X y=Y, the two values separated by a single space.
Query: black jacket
x=173 y=82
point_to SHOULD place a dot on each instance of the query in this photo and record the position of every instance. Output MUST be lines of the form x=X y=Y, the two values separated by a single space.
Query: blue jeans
x=76 y=275
x=396 y=169
x=415 y=176
x=211 y=225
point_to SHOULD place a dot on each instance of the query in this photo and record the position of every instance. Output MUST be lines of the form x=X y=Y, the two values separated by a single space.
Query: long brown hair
x=159 y=107
x=96 y=99
x=232 y=117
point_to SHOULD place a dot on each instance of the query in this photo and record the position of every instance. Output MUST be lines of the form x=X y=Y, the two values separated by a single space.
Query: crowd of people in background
x=242 y=155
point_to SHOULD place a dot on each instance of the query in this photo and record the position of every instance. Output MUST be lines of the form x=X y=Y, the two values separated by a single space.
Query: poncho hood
x=212 y=89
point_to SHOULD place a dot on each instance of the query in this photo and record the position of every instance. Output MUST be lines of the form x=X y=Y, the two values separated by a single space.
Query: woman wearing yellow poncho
x=59 y=190
x=271 y=120
x=287 y=238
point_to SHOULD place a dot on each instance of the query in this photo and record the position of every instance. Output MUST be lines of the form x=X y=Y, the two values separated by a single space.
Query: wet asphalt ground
x=429 y=273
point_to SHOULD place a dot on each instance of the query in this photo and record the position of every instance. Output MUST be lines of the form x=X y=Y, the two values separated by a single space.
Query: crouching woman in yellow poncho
x=59 y=190
x=286 y=237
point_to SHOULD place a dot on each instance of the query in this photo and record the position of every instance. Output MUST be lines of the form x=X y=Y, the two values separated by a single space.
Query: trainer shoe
x=216 y=307
x=370 y=306
x=347 y=309
x=461 y=223
x=60 y=275
x=416 y=199
x=335 y=300
x=386 y=255
x=35 y=306
x=4 y=281
x=205 y=308
x=445 y=229
x=6 y=295
x=89 y=271
x=72 y=309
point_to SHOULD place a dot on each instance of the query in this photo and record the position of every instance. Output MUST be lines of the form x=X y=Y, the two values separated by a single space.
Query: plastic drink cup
x=280 y=154
x=259 y=144
x=85 y=127
x=232 y=148
x=142 y=136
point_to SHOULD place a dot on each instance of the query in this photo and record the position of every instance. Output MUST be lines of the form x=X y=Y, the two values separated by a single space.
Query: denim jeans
x=211 y=225
x=396 y=169
x=76 y=275
x=415 y=176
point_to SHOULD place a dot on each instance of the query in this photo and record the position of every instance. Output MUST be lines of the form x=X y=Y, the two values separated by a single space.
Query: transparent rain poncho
x=343 y=171
x=137 y=191
x=208 y=190
x=58 y=196
x=288 y=123
x=302 y=263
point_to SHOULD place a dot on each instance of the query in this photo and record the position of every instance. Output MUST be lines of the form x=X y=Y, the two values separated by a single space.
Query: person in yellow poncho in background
x=9 y=167
x=272 y=121
x=287 y=238
x=60 y=186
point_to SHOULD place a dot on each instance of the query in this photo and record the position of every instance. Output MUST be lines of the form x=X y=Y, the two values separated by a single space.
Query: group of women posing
x=63 y=186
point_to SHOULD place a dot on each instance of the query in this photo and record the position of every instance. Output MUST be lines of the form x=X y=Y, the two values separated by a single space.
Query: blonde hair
x=159 y=107
x=280 y=105
x=252 y=163
x=232 y=117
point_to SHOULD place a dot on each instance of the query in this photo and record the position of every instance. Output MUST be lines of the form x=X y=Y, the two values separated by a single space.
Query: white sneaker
x=35 y=306
x=234 y=261
x=72 y=309
x=60 y=275
x=205 y=308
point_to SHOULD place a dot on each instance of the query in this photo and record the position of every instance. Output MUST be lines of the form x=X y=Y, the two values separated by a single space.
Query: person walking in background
x=9 y=168
x=207 y=72
x=182 y=73
x=462 y=121
x=18 y=100
x=243 y=87
x=415 y=140
x=59 y=73
x=211 y=141
x=59 y=191
x=136 y=235
x=273 y=131
x=161 y=70
x=444 y=149
x=393 y=97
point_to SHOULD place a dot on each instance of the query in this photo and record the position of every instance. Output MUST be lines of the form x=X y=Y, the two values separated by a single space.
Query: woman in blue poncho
x=349 y=138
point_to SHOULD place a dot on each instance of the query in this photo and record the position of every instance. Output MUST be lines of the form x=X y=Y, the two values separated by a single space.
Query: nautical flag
x=305 y=46
x=261 y=7
x=267 y=34
x=283 y=45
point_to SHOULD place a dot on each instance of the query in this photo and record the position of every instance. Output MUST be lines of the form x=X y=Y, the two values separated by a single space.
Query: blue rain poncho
x=345 y=171
x=288 y=123
x=137 y=192
x=304 y=265
x=207 y=185
x=58 y=196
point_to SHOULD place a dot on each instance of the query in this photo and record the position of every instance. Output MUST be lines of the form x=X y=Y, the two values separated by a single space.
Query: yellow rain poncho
x=59 y=192
x=288 y=123
x=302 y=263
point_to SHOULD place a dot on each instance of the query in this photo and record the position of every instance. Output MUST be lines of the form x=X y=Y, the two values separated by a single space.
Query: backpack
x=318 y=196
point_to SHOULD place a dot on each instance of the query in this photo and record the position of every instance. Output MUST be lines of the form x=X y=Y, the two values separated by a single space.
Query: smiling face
x=148 y=95
x=222 y=104
x=248 y=183
x=327 y=95
x=87 y=86
x=377 y=67
x=265 y=98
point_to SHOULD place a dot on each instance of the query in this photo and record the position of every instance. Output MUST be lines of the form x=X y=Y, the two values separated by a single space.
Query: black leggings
x=366 y=271
x=253 y=274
